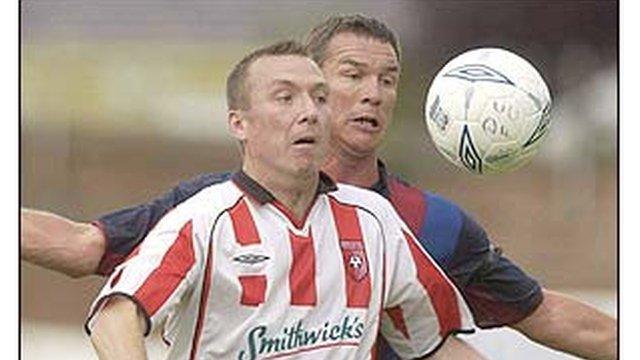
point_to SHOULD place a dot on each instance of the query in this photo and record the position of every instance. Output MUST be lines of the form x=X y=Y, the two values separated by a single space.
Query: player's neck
x=295 y=192
x=355 y=170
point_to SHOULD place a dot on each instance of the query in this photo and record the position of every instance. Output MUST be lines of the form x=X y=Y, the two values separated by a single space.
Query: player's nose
x=309 y=111
x=371 y=92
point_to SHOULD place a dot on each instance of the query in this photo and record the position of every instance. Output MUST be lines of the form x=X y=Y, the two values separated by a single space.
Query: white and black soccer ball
x=487 y=111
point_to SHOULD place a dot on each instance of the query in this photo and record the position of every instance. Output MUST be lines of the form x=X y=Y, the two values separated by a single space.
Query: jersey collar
x=251 y=187
x=382 y=185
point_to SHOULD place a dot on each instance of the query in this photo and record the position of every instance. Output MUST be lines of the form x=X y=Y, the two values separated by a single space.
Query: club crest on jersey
x=355 y=259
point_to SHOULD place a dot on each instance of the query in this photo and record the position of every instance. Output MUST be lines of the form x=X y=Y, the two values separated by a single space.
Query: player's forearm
x=455 y=348
x=118 y=331
x=59 y=244
x=568 y=325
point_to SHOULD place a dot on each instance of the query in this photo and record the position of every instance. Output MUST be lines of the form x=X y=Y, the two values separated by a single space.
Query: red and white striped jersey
x=228 y=274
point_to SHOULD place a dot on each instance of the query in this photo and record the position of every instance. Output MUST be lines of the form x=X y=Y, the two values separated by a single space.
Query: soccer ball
x=487 y=111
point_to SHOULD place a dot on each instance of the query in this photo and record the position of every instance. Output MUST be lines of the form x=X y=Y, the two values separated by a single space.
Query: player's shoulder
x=363 y=198
x=213 y=198
x=406 y=192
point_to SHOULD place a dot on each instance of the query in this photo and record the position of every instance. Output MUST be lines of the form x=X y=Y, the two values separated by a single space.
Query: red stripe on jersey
x=354 y=256
x=243 y=225
x=204 y=299
x=253 y=289
x=302 y=278
x=441 y=292
x=173 y=267
x=397 y=318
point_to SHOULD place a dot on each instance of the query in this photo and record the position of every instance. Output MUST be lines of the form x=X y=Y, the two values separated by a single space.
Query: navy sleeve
x=498 y=291
x=125 y=228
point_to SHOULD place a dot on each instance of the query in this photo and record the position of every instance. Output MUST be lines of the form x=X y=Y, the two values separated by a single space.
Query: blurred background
x=123 y=99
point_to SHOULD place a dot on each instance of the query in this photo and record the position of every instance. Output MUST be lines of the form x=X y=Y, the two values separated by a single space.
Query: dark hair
x=318 y=38
x=237 y=95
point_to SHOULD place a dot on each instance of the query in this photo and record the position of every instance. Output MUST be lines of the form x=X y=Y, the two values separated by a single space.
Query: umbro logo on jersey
x=250 y=259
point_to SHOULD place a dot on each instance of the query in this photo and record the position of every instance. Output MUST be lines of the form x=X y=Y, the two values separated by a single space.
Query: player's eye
x=388 y=80
x=352 y=74
x=321 y=99
x=284 y=98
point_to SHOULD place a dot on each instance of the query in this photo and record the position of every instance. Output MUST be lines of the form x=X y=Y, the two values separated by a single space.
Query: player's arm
x=566 y=324
x=60 y=244
x=79 y=249
x=500 y=293
x=119 y=316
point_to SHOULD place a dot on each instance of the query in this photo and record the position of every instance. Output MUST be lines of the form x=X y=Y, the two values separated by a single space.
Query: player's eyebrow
x=283 y=82
x=352 y=62
x=288 y=83
x=358 y=64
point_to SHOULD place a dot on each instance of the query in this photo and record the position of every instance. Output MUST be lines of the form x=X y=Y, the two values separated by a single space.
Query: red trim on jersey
x=354 y=256
x=317 y=347
x=243 y=225
x=397 y=318
x=204 y=299
x=302 y=276
x=299 y=224
x=440 y=290
x=253 y=289
x=164 y=279
x=409 y=202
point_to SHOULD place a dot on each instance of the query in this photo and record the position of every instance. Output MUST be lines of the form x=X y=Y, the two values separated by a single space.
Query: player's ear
x=236 y=122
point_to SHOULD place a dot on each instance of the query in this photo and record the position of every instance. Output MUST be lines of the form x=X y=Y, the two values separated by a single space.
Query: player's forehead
x=285 y=70
x=361 y=50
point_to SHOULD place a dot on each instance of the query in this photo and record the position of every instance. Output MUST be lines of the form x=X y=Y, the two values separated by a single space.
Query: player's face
x=286 y=124
x=362 y=73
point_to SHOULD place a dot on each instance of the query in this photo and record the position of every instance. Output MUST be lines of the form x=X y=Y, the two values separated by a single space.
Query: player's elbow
x=570 y=326
x=60 y=244
x=545 y=324
x=88 y=249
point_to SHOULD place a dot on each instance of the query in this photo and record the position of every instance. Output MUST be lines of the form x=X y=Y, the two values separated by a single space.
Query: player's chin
x=362 y=144
x=305 y=163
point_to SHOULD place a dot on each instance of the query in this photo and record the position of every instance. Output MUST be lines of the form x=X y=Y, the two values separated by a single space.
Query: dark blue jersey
x=497 y=291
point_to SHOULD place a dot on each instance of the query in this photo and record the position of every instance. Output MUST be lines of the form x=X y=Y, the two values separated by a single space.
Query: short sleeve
x=124 y=229
x=160 y=272
x=498 y=292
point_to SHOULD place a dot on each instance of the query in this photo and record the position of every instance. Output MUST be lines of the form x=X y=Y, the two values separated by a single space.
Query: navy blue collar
x=251 y=187
x=382 y=185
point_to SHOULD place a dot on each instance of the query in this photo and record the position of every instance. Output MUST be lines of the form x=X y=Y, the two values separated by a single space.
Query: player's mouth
x=366 y=123
x=305 y=141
